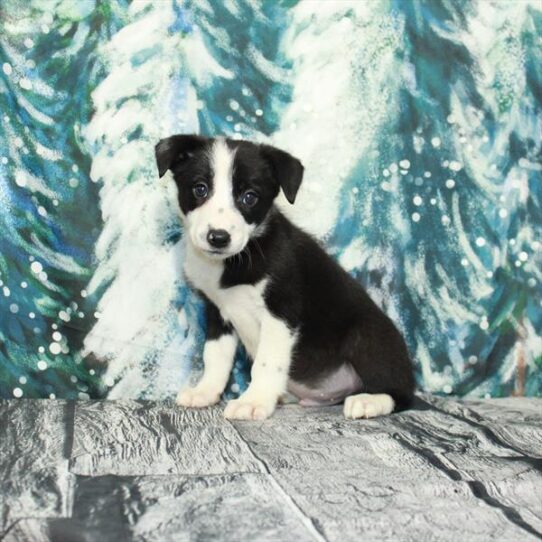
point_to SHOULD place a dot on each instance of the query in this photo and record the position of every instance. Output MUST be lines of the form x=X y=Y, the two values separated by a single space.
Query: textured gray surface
x=446 y=470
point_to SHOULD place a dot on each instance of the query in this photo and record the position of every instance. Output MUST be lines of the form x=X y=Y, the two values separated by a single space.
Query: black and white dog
x=309 y=327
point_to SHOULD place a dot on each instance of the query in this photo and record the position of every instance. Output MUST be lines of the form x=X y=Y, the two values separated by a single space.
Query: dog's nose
x=218 y=238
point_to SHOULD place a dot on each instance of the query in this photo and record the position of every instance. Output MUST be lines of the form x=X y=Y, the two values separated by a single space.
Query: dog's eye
x=249 y=198
x=200 y=190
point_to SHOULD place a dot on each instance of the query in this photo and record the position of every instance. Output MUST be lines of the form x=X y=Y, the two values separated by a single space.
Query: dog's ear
x=287 y=170
x=174 y=149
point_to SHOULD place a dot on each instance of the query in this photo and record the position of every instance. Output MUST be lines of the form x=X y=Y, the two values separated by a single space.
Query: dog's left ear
x=174 y=149
x=287 y=170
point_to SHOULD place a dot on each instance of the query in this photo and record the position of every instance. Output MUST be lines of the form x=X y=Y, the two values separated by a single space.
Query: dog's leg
x=368 y=405
x=269 y=372
x=218 y=355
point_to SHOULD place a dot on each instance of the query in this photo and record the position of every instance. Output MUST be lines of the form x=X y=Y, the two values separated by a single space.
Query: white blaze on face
x=219 y=211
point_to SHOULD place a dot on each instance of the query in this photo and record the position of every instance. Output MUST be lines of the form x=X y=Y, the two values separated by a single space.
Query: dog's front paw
x=249 y=409
x=197 y=397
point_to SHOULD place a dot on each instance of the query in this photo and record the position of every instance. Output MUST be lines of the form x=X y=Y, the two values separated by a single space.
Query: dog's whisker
x=259 y=248
x=249 y=257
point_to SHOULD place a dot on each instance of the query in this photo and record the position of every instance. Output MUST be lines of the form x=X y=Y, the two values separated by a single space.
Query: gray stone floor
x=120 y=471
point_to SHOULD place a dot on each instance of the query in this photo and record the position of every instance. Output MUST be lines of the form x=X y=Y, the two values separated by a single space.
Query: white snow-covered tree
x=140 y=330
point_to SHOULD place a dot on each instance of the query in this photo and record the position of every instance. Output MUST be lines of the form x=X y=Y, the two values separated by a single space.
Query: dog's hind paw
x=367 y=405
x=197 y=397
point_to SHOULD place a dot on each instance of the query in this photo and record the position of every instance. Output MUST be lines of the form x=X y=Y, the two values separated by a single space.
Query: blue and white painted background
x=419 y=123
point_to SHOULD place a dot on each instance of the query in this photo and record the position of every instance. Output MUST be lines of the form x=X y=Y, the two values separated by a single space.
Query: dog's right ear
x=174 y=149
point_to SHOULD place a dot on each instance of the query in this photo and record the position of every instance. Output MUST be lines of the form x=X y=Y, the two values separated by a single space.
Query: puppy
x=309 y=327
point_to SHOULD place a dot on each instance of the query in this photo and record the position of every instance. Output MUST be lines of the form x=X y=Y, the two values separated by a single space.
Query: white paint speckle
x=17 y=392
x=36 y=267
x=63 y=315
x=25 y=83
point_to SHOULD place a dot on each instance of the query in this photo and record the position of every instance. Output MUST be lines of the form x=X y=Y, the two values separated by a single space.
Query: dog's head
x=226 y=188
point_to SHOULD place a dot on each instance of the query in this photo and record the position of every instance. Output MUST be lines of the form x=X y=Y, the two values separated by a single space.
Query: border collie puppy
x=308 y=326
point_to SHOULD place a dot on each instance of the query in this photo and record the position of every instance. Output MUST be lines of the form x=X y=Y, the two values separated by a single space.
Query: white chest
x=243 y=305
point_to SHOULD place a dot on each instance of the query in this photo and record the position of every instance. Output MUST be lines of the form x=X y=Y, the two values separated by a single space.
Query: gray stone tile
x=515 y=422
x=137 y=438
x=229 y=507
x=420 y=471
x=35 y=436
x=446 y=470
x=320 y=439
x=351 y=506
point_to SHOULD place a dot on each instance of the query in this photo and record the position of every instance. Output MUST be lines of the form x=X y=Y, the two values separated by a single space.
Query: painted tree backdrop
x=419 y=123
